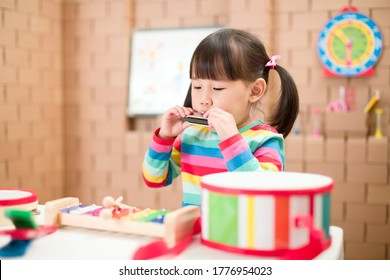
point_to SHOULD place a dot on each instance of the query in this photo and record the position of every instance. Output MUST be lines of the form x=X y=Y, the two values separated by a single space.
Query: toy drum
x=279 y=214
x=15 y=198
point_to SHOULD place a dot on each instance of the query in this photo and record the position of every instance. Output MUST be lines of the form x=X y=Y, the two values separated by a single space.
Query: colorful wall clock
x=349 y=45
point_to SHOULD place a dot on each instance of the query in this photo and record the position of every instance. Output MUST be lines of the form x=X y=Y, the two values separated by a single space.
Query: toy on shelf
x=113 y=215
x=373 y=101
x=350 y=98
x=378 y=130
x=339 y=105
x=316 y=122
x=297 y=126
x=25 y=231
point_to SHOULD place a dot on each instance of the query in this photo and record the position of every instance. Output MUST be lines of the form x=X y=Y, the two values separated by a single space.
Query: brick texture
x=63 y=94
x=30 y=117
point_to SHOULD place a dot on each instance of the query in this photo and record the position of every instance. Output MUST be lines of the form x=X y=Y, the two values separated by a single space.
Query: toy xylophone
x=112 y=215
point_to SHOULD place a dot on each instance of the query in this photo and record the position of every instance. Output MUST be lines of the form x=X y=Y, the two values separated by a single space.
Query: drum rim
x=33 y=197
x=255 y=252
x=271 y=190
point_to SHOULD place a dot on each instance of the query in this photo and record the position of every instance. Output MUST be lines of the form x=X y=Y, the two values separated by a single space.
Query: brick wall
x=31 y=97
x=346 y=150
x=96 y=36
x=64 y=70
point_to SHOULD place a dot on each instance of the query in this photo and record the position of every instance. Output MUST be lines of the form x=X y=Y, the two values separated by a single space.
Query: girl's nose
x=205 y=100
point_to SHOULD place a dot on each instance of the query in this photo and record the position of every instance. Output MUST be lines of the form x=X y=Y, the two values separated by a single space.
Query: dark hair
x=188 y=100
x=231 y=54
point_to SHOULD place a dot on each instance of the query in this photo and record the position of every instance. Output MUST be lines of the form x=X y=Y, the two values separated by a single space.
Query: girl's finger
x=188 y=111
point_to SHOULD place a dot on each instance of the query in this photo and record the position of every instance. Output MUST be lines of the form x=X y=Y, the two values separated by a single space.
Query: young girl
x=229 y=74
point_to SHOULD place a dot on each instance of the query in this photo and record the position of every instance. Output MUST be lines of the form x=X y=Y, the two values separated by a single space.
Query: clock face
x=350 y=44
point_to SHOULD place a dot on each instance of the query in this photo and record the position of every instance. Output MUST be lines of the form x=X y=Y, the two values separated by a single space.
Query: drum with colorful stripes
x=15 y=198
x=266 y=214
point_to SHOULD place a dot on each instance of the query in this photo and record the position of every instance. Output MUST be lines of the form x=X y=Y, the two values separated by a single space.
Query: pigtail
x=287 y=108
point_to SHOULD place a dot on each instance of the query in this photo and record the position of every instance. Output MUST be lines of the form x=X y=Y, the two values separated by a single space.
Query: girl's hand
x=222 y=122
x=171 y=124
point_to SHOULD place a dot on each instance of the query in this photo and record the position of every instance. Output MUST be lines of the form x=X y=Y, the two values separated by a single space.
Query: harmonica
x=196 y=120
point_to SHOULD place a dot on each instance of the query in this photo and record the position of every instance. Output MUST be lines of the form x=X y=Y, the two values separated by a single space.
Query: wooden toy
x=378 y=130
x=316 y=122
x=339 y=105
x=350 y=98
x=297 y=125
x=172 y=226
x=373 y=101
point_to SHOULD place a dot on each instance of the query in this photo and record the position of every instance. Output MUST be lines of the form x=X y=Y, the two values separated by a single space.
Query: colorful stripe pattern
x=199 y=152
x=262 y=222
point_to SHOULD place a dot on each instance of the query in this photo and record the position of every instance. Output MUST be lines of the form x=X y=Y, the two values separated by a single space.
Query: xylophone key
x=140 y=214
x=157 y=217
x=84 y=209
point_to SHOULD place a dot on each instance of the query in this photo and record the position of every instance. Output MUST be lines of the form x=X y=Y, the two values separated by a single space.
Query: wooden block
x=378 y=233
x=294 y=166
x=349 y=192
x=314 y=151
x=354 y=232
x=367 y=173
x=348 y=122
x=360 y=212
x=334 y=170
x=378 y=149
x=337 y=211
x=378 y=194
x=133 y=143
x=294 y=148
x=364 y=251
x=356 y=150
x=334 y=149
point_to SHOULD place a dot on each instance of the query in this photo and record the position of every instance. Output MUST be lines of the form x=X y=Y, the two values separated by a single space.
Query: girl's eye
x=218 y=89
x=197 y=87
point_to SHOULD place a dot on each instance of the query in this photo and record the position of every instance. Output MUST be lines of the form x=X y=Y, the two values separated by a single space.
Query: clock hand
x=341 y=35
x=348 y=55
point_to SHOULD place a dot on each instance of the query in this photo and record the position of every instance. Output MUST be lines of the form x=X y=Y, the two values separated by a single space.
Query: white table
x=70 y=243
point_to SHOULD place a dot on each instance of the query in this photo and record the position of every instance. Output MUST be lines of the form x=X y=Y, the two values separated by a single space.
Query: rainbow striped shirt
x=198 y=151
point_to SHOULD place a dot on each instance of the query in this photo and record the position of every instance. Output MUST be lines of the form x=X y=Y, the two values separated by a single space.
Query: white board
x=159 y=68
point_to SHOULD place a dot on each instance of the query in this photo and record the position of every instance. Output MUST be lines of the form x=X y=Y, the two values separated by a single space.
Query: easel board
x=159 y=68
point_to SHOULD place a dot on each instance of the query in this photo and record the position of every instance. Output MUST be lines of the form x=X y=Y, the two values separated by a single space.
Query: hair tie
x=272 y=61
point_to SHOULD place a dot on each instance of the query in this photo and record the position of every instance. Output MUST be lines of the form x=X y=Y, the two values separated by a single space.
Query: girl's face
x=234 y=97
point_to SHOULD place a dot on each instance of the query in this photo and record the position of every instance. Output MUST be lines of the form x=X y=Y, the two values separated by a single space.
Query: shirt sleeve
x=162 y=161
x=268 y=155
